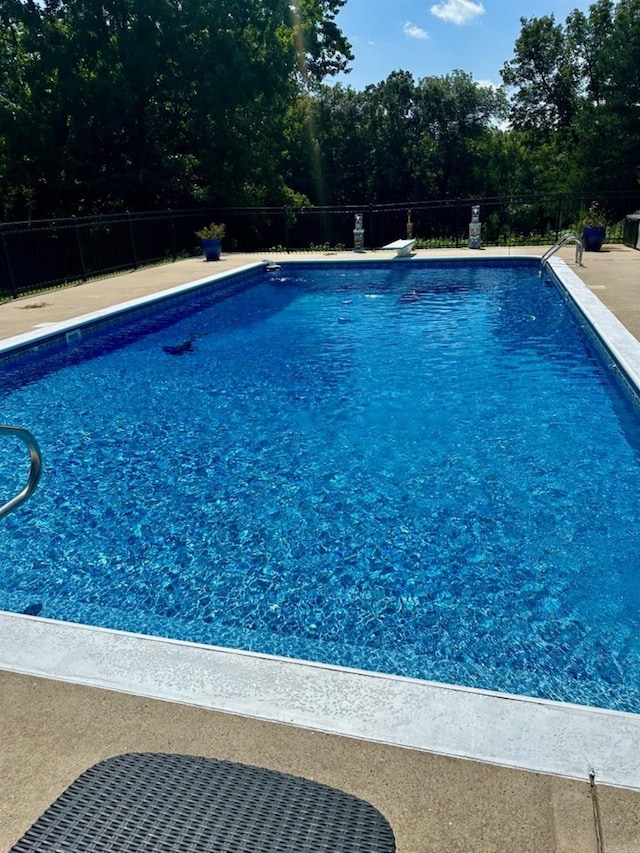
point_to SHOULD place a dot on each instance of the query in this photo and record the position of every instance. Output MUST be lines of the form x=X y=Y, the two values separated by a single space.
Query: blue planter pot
x=593 y=238
x=211 y=248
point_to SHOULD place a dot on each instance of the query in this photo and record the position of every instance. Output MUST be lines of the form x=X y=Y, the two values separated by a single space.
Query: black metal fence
x=48 y=253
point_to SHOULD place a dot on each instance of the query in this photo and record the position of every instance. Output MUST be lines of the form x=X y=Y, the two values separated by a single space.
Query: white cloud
x=458 y=11
x=414 y=31
x=487 y=84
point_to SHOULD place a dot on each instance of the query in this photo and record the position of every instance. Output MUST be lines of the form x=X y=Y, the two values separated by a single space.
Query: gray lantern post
x=474 y=228
x=358 y=235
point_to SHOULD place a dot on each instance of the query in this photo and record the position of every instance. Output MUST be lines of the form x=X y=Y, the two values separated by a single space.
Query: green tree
x=391 y=144
x=607 y=43
x=457 y=132
x=321 y=48
x=545 y=76
x=138 y=103
x=401 y=141
x=576 y=97
x=329 y=145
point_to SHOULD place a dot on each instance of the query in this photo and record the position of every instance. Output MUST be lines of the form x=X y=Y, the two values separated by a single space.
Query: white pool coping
x=514 y=731
x=622 y=345
x=53 y=329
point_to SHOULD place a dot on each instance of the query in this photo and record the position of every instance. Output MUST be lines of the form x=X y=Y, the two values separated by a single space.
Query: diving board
x=402 y=247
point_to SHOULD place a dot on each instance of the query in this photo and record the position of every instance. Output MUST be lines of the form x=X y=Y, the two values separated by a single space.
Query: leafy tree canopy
x=138 y=103
x=575 y=90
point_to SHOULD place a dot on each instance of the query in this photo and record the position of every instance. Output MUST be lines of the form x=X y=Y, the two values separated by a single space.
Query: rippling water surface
x=417 y=469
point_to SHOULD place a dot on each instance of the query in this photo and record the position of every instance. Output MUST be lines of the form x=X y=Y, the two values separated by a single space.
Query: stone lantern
x=474 y=228
x=358 y=235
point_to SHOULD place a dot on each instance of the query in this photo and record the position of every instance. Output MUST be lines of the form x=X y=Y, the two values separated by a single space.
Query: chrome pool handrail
x=34 y=472
x=568 y=238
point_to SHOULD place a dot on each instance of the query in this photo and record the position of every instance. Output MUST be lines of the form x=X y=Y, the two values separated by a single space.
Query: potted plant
x=211 y=240
x=593 y=223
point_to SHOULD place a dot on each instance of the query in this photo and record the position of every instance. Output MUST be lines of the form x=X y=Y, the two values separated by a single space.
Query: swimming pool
x=368 y=467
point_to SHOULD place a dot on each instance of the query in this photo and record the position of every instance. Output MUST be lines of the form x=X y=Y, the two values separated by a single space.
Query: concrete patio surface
x=51 y=730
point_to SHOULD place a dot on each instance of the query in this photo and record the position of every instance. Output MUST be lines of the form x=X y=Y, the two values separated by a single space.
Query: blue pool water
x=418 y=469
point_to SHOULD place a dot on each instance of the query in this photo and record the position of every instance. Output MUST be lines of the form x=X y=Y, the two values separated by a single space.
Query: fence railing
x=42 y=254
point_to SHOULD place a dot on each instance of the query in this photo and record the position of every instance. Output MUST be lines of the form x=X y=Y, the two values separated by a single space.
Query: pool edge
x=621 y=345
x=60 y=327
x=511 y=731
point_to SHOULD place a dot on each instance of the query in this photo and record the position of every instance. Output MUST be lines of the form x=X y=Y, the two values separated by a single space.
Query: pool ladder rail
x=34 y=472
x=563 y=241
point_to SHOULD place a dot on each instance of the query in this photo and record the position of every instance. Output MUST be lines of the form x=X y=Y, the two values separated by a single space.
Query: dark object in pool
x=180 y=349
x=33 y=609
x=412 y=296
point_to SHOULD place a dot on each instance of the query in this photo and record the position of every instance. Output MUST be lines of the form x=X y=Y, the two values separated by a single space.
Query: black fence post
x=133 y=242
x=286 y=228
x=558 y=216
x=76 y=229
x=7 y=260
x=172 y=233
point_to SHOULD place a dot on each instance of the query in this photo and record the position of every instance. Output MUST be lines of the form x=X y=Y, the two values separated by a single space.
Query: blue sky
x=434 y=37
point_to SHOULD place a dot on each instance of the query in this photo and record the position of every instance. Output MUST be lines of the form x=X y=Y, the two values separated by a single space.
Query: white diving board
x=402 y=247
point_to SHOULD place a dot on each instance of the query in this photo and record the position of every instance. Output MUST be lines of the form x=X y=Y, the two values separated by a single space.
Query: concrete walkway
x=51 y=730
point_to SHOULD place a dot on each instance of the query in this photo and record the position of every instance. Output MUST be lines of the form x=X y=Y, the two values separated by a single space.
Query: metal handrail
x=34 y=472
x=568 y=238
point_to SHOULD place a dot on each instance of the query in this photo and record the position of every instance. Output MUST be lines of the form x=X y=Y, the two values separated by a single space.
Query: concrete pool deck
x=50 y=730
